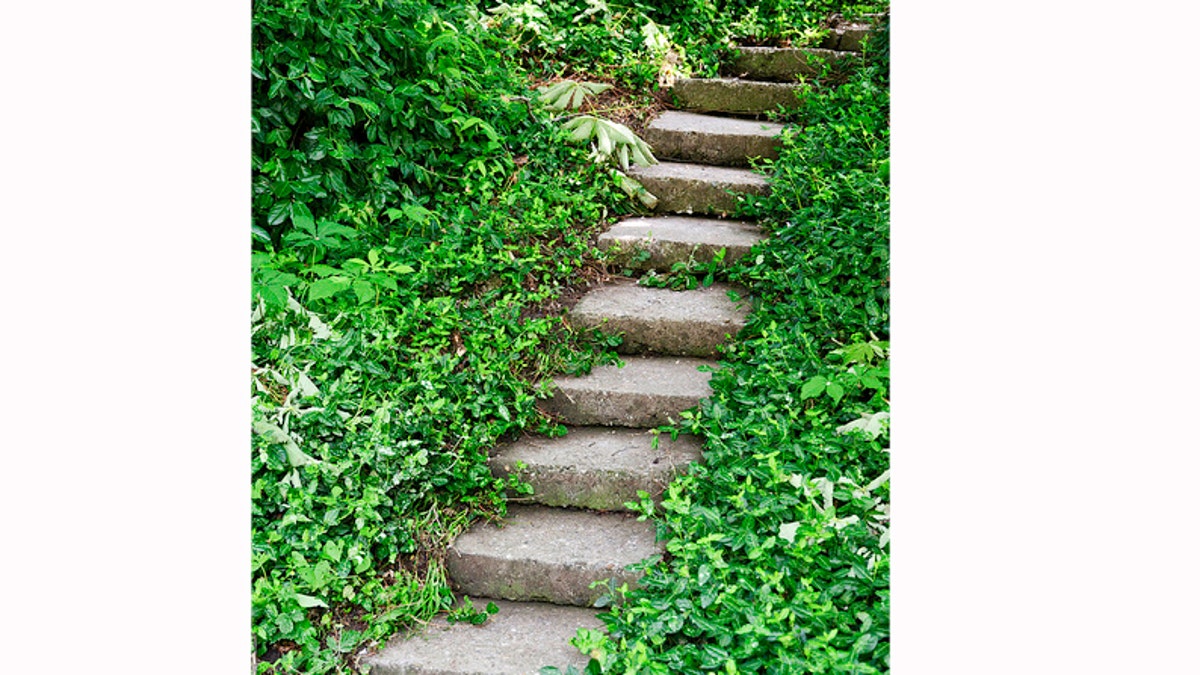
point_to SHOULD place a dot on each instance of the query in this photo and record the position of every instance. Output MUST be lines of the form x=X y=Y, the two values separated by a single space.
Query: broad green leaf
x=329 y=228
x=278 y=213
x=365 y=290
x=581 y=128
x=604 y=142
x=303 y=218
x=366 y=104
x=324 y=288
x=813 y=387
x=260 y=234
x=835 y=391
x=307 y=601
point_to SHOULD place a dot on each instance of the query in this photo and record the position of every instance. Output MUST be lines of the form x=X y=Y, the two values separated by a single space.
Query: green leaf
x=365 y=290
x=324 y=288
x=813 y=387
x=278 y=213
x=835 y=391
x=307 y=601
x=366 y=104
x=302 y=218
x=260 y=234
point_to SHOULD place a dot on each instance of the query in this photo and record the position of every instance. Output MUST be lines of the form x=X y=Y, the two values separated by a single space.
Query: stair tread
x=595 y=467
x=647 y=392
x=709 y=139
x=726 y=175
x=659 y=320
x=674 y=375
x=784 y=63
x=517 y=640
x=680 y=120
x=683 y=187
x=735 y=95
x=549 y=554
x=667 y=240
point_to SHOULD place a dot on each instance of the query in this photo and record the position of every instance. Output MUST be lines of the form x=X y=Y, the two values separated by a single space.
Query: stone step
x=697 y=188
x=658 y=243
x=847 y=37
x=712 y=140
x=549 y=554
x=595 y=467
x=649 y=391
x=659 y=320
x=784 y=64
x=518 y=640
x=734 y=95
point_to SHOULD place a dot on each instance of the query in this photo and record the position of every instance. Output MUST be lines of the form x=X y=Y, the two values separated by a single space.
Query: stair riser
x=670 y=239
x=515 y=641
x=527 y=580
x=617 y=409
x=665 y=254
x=783 y=65
x=681 y=195
x=595 y=489
x=740 y=97
x=847 y=39
x=595 y=468
x=711 y=148
x=549 y=555
x=662 y=336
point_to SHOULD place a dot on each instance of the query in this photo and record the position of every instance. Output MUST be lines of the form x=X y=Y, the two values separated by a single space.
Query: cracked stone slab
x=649 y=391
x=662 y=321
x=712 y=140
x=660 y=242
x=550 y=555
x=596 y=467
x=736 y=96
x=698 y=188
x=518 y=640
x=784 y=63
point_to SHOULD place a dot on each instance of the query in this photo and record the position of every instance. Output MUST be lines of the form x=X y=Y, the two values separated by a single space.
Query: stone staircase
x=539 y=567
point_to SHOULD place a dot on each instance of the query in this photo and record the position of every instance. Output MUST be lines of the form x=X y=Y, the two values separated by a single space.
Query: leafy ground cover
x=419 y=222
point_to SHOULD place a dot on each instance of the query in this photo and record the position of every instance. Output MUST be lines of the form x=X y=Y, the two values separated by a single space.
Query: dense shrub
x=360 y=106
x=416 y=220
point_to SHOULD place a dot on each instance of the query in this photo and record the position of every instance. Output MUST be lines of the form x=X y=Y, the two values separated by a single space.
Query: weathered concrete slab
x=595 y=467
x=712 y=140
x=698 y=188
x=647 y=392
x=732 y=95
x=662 y=321
x=518 y=640
x=667 y=240
x=847 y=37
x=549 y=554
x=783 y=64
